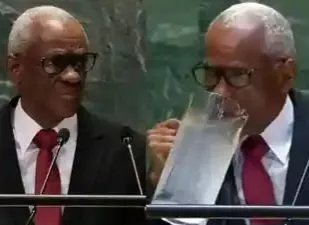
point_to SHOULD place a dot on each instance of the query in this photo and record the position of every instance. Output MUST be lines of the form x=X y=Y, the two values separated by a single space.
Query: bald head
x=253 y=19
x=31 y=24
x=232 y=45
x=249 y=57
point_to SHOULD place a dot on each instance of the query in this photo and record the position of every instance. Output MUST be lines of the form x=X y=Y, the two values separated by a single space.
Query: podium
x=158 y=210
x=119 y=201
x=227 y=211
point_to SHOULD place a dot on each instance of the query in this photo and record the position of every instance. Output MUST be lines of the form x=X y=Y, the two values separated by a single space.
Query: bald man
x=250 y=57
x=49 y=58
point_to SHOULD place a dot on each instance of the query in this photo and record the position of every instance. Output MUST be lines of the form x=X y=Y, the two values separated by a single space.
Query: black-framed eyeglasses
x=57 y=63
x=210 y=76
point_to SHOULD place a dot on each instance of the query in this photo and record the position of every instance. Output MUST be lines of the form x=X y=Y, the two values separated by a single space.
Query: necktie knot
x=254 y=147
x=46 y=139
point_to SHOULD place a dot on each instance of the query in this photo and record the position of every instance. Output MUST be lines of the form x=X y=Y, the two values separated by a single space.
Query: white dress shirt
x=278 y=136
x=24 y=130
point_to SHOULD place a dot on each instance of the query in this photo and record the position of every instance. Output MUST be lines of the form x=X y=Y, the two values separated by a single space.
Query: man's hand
x=160 y=140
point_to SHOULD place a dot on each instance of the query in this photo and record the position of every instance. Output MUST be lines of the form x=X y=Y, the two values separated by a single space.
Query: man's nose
x=222 y=88
x=70 y=75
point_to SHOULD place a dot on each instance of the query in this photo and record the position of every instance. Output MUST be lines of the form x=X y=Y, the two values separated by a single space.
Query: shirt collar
x=25 y=128
x=278 y=134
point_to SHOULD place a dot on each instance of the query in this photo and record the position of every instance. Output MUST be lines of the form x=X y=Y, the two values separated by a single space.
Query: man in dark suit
x=250 y=57
x=48 y=60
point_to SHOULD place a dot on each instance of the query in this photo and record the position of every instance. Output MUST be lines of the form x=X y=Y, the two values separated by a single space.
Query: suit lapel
x=86 y=156
x=87 y=159
x=299 y=153
x=228 y=193
x=10 y=176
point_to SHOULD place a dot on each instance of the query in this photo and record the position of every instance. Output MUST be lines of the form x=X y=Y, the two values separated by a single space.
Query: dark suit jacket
x=299 y=155
x=101 y=166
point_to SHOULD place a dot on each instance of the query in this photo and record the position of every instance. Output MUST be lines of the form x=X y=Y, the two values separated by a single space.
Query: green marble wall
x=147 y=48
x=174 y=32
x=116 y=30
x=297 y=14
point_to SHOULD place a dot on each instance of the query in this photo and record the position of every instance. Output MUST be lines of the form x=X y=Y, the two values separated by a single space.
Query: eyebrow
x=65 y=51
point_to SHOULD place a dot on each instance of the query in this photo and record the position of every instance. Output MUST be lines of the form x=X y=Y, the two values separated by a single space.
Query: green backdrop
x=174 y=38
x=147 y=48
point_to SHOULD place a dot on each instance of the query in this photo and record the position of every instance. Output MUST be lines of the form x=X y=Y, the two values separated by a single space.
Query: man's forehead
x=49 y=30
x=247 y=30
x=235 y=42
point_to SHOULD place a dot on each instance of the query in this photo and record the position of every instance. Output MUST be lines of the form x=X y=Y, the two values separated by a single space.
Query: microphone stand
x=127 y=142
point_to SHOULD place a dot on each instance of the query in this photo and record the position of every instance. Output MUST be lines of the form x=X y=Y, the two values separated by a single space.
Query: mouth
x=69 y=92
x=69 y=96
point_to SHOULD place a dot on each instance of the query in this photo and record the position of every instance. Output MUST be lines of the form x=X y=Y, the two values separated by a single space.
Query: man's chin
x=68 y=114
x=67 y=109
x=251 y=129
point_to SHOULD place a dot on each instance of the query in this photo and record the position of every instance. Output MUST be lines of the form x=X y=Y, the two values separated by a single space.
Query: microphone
x=126 y=138
x=299 y=187
x=62 y=138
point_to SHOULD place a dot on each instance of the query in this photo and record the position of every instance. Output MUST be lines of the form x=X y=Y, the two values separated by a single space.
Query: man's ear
x=289 y=74
x=14 y=68
x=286 y=73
